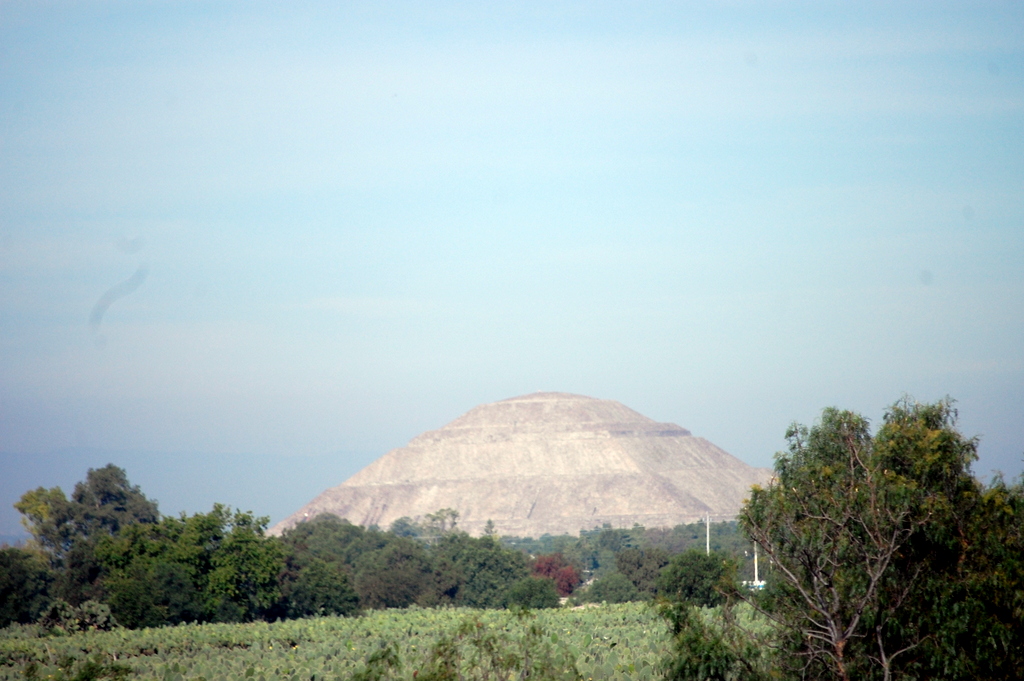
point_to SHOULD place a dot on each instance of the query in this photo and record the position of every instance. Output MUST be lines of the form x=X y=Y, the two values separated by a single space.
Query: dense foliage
x=210 y=567
x=106 y=556
x=889 y=560
x=392 y=570
x=66 y=531
x=24 y=586
x=556 y=568
x=695 y=578
x=533 y=593
x=595 y=553
x=612 y=588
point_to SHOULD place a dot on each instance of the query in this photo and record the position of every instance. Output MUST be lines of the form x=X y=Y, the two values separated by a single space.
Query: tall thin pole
x=756 y=580
x=707 y=547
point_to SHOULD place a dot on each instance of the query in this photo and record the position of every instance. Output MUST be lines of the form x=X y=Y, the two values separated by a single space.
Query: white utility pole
x=756 y=580
x=707 y=547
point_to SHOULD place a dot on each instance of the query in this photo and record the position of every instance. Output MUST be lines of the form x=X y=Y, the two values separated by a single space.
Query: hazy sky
x=247 y=248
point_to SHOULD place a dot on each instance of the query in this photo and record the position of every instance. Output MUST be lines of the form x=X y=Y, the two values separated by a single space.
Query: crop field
x=602 y=642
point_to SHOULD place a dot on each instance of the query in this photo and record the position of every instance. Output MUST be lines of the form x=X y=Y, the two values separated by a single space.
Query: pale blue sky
x=337 y=225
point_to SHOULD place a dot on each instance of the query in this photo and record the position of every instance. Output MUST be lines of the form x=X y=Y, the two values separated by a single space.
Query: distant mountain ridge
x=545 y=463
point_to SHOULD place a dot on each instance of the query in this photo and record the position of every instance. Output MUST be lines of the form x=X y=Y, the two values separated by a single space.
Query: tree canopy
x=100 y=505
x=215 y=566
x=694 y=577
x=889 y=559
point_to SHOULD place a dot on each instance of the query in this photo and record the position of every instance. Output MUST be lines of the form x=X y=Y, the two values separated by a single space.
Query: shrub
x=614 y=588
x=533 y=593
x=695 y=578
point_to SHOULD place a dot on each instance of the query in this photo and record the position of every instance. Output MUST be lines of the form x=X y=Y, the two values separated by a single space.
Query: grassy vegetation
x=625 y=641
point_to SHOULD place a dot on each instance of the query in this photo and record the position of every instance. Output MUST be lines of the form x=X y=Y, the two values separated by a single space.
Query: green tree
x=320 y=557
x=393 y=576
x=443 y=521
x=215 y=566
x=475 y=572
x=600 y=547
x=101 y=504
x=321 y=588
x=708 y=646
x=489 y=570
x=984 y=601
x=107 y=501
x=152 y=594
x=695 y=578
x=78 y=578
x=331 y=539
x=67 y=530
x=614 y=587
x=151 y=576
x=24 y=586
x=405 y=527
x=882 y=552
x=953 y=599
x=50 y=519
x=642 y=567
x=245 y=565
x=532 y=593
x=444 y=581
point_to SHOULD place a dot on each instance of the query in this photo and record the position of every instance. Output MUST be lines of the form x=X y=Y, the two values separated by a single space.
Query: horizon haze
x=248 y=248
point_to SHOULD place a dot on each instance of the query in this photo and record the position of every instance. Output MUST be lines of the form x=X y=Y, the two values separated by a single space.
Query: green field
x=603 y=642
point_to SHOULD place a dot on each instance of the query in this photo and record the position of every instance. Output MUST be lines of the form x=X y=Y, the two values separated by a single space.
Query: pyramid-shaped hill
x=545 y=463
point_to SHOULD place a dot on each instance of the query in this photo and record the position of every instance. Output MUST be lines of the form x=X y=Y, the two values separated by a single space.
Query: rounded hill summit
x=545 y=463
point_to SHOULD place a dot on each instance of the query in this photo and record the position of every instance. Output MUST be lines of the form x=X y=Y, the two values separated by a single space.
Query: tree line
x=106 y=555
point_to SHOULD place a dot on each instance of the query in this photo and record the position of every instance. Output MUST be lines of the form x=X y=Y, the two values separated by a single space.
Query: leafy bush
x=614 y=588
x=480 y=651
x=695 y=578
x=153 y=594
x=394 y=576
x=88 y=616
x=322 y=588
x=709 y=645
x=642 y=567
x=533 y=593
x=24 y=580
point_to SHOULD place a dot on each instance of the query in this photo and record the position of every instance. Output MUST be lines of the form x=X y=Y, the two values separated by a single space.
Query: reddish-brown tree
x=555 y=567
x=548 y=565
x=566 y=580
